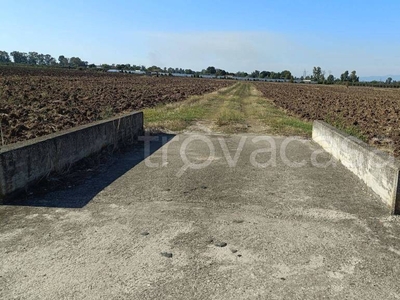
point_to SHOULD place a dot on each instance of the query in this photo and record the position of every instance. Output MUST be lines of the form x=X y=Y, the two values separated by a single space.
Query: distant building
x=207 y=76
x=181 y=75
x=136 y=72
x=309 y=81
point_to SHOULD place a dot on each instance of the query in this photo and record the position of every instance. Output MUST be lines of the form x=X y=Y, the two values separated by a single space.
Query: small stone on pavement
x=166 y=254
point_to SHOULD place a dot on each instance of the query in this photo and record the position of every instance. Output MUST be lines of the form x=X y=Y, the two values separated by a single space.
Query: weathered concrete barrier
x=377 y=169
x=24 y=163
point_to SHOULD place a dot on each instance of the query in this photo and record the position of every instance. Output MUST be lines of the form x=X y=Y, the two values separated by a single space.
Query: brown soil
x=36 y=102
x=371 y=112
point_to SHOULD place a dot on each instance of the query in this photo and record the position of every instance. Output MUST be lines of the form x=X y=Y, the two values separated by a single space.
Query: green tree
x=154 y=69
x=121 y=67
x=49 y=60
x=211 y=70
x=220 y=72
x=33 y=58
x=389 y=80
x=241 y=74
x=77 y=62
x=265 y=74
x=318 y=74
x=330 y=79
x=344 y=76
x=134 y=67
x=353 y=77
x=272 y=75
x=63 y=61
x=106 y=66
x=276 y=75
x=4 y=57
x=19 y=57
x=40 y=59
x=286 y=74
x=255 y=74
x=74 y=61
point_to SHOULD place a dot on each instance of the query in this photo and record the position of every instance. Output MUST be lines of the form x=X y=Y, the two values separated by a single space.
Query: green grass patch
x=298 y=124
x=175 y=117
x=339 y=122
x=277 y=120
x=228 y=90
x=229 y=116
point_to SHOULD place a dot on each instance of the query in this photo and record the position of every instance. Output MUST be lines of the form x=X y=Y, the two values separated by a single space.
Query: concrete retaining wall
x=26 y=162
x=378 y=170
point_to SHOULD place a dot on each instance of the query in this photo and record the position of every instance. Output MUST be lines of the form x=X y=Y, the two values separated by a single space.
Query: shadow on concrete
x=77 y=188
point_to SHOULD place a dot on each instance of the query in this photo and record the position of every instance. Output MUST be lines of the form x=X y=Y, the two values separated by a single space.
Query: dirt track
x=239 y=108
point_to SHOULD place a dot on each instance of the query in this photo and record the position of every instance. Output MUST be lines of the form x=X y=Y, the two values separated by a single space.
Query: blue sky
x=232 y=35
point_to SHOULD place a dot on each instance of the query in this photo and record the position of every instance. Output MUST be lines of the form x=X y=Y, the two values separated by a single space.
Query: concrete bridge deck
x=297 y=226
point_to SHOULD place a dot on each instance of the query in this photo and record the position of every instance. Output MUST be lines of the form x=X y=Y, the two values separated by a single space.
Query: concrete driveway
x=296 y=225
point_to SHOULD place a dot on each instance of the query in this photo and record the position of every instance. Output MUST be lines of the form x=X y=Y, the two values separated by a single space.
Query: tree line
x=318 y=75
x=34 y=58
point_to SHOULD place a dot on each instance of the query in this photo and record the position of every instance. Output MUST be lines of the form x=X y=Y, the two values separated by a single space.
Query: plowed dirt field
x=372 y=113
x=36 y=102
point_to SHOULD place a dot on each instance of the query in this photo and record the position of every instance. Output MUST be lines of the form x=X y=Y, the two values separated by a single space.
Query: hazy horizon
x=229 y=35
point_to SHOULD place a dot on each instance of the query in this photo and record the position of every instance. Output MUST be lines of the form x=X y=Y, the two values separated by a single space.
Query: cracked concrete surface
x=300 y=233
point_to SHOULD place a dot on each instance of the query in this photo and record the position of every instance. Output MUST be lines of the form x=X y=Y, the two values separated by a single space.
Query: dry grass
x=236 y=109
